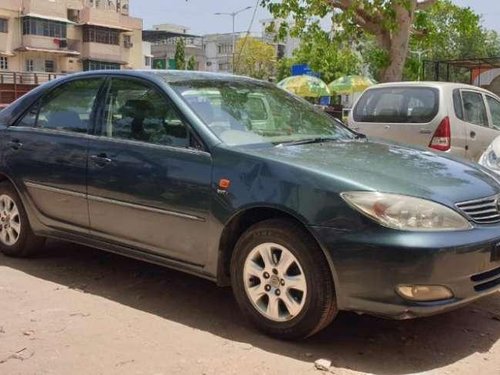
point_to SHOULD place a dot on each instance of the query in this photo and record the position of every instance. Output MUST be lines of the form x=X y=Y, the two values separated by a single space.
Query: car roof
x=167 y=75
x=444 y=85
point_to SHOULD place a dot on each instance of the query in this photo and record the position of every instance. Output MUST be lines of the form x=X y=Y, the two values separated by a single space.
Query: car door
x=47 y=153
x=148 y=177
x=476 y=120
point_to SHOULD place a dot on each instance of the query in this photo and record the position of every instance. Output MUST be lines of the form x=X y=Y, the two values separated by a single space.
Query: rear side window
x=398 y=105
x=67 y=108
x=457 y=104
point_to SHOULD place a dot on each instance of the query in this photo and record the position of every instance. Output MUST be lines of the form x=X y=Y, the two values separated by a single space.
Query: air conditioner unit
x=74 y=15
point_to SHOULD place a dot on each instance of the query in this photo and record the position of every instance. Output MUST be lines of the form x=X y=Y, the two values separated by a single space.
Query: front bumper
x=368 y=266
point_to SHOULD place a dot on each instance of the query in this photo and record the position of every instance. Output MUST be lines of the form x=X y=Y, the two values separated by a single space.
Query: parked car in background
x=302 y=218
x=491 y=157
x=211 y=103
x=458 y=119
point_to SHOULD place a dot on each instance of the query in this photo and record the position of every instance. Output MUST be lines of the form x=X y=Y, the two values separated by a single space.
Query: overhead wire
x=247 y=34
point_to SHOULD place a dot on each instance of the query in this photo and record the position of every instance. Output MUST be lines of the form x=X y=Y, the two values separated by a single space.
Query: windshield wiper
x=360 y=136
x=307 y=141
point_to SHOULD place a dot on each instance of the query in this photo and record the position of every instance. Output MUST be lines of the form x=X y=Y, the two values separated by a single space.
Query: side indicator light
x=224 y=184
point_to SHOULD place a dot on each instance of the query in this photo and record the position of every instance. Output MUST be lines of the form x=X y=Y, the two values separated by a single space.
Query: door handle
x=101 y=159
x=473 y=134
x=15 y=144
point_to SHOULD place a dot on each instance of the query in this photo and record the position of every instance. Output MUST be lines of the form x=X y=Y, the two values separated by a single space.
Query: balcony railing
x=120 y=6
x=13 y=85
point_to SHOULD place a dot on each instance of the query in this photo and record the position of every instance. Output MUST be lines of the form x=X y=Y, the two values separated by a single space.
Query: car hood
x=386 y=167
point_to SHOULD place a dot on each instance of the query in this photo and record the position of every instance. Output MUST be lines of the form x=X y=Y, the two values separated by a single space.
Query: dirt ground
x=74 y=310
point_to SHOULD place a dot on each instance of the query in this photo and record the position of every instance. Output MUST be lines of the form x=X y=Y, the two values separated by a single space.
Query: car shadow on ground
x=360 y=343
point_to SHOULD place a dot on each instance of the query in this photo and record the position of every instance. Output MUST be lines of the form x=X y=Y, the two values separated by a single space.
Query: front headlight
x=490 y=160
x=406 y=213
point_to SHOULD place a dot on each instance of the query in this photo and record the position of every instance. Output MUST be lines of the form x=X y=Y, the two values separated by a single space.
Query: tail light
x=441 y=140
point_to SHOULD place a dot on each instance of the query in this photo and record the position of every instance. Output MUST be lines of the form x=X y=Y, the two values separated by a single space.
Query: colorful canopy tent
x=350 y=84
x=305 y=86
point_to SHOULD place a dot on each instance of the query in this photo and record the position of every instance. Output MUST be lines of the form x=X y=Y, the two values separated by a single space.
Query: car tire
x=290 y=295
x=16 y=237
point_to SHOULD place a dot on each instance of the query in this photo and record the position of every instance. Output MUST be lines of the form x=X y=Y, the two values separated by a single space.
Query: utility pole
x=233 y=15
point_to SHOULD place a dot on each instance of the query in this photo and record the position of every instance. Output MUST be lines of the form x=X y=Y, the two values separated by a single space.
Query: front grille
x=482 y=211
x=486 y=280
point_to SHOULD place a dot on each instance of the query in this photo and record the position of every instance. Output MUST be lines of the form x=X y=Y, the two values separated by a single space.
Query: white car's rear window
x=397 y=105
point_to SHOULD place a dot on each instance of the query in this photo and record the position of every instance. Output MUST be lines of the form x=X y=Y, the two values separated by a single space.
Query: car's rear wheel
x=282 y=281
x=16 y=237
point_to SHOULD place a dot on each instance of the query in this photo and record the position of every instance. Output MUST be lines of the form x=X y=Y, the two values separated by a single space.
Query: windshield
x=242 y=112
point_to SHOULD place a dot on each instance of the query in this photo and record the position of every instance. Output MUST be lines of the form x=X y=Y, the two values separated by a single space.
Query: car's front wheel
x=16 y=237
x=282 y=281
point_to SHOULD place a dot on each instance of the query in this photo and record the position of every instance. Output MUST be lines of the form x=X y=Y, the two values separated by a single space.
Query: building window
x=30 y=65
x=147 y=61
x=224 y=49
x=4 y=63
x=4 y=25
x=127 y=41
x=38 y=26
x=101 y=35
x=50 y=66
x=99 y=65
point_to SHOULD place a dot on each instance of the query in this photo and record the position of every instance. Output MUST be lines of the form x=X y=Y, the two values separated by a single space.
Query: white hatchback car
x=456 y=118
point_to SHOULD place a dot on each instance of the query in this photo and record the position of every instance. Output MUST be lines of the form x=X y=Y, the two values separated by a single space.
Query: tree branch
x=370 y=23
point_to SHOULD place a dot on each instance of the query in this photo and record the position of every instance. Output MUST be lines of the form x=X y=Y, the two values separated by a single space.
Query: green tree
x=388 y=22
x=180 y=54
x=330 y=57
x=191 y=64
x=284 y=68
x=447 y=31
x=255 y=58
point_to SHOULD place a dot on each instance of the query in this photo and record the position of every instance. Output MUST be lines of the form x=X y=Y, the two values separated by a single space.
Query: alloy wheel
x=275 y=282
x=10 y=221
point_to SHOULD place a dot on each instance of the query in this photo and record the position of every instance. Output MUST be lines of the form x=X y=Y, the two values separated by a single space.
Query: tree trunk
x=398 y=43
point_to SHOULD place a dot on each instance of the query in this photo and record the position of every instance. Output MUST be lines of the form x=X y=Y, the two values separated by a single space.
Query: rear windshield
x=398 y=105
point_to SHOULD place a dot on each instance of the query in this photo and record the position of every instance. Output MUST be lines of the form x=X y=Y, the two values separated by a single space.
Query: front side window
x=67 y=108
x=474 y=108
x=244 y=112
x=136 y=111
x=495 y=111
x=397 y=105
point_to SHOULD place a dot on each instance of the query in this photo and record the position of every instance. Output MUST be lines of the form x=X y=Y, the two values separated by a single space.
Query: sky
x=198 y=15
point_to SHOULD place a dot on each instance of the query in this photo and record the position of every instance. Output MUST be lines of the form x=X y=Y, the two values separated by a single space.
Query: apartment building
x=164 y=38
x=284 y=47
x=64 y=36
x=219 y=51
